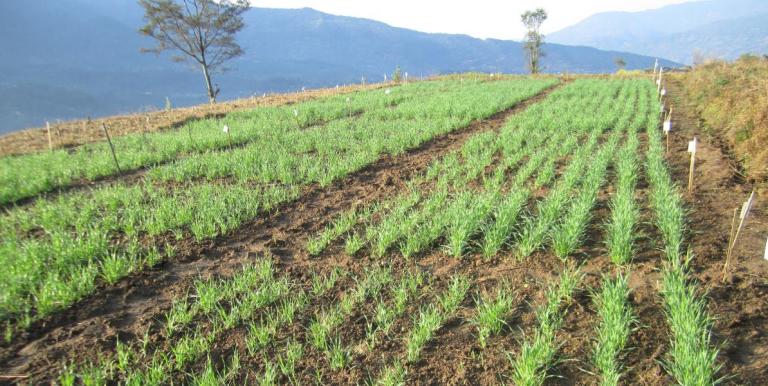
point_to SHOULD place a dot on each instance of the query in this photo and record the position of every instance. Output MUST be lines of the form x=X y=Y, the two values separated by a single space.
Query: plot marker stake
x=766 y=250
x=48 y=129
x=111 y=147
x=743 y=216
x=692 y=145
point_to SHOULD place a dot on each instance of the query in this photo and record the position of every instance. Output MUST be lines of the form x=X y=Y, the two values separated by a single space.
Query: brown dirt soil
x=136 y=303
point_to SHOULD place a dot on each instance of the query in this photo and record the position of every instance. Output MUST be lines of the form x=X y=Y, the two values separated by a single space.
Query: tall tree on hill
x=532 y=20
x=620 y=63
x=202 y=30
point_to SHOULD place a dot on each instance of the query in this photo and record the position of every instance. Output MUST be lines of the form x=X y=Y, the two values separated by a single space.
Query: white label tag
x=387 y=91
x=295 y=113
x=226 y=129
x=663 y=92
x=747 y=206
x=667 y=126
x=766 y=250
x=692 y=145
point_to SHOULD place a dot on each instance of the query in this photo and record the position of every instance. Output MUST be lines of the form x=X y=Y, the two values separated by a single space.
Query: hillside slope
x=723 y=28
x=731 y=100
x=77 y=58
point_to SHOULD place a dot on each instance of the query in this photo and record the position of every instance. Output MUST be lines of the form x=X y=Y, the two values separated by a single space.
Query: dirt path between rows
x=128 y=308
x=740 y=306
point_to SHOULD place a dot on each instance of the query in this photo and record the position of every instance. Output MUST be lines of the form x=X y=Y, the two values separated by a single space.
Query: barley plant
x=615 y=325
x=538 y=352
x=492 y=314
x=625 y=215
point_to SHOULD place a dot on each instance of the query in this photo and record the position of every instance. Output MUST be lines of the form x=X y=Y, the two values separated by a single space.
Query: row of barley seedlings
x=321 y=329
x=692 y=358
x=341 y=225
x=616 y=320
x=465 y=216
x=497 y=230
x=189 y=329
x=539 y=348
x=403 y=293
x=424 y=226
x=425 y=324
x=535 y=230
x=385 y=233
x=45 y=171
x=77 y=250
x=625 y=215
x=462 y=219
x=262 y=334
x=262 y=330
x=292 y=157
x=568 y=234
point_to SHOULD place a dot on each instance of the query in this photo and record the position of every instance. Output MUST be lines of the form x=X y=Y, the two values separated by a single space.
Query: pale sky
x=498 y=19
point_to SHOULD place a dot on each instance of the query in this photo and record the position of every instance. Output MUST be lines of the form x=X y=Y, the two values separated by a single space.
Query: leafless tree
x=202 y=30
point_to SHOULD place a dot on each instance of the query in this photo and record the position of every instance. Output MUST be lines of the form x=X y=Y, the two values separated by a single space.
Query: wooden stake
x=11 y=377
x=730 y=242
x=745 y=208
x=111 y=147
x=48 y=129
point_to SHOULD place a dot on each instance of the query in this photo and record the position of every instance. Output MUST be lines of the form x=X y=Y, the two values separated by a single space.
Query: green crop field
x=468 y=230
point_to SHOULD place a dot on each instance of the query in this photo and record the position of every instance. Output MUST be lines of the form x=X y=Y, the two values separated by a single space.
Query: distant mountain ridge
x=74 y=58
x=716 y=28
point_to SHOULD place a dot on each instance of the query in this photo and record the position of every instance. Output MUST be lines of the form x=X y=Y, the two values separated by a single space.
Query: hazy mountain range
x=715 y=28
x=64 y=59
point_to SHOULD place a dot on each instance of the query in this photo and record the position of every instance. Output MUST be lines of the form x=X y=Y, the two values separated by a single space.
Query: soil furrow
x=126 y=309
